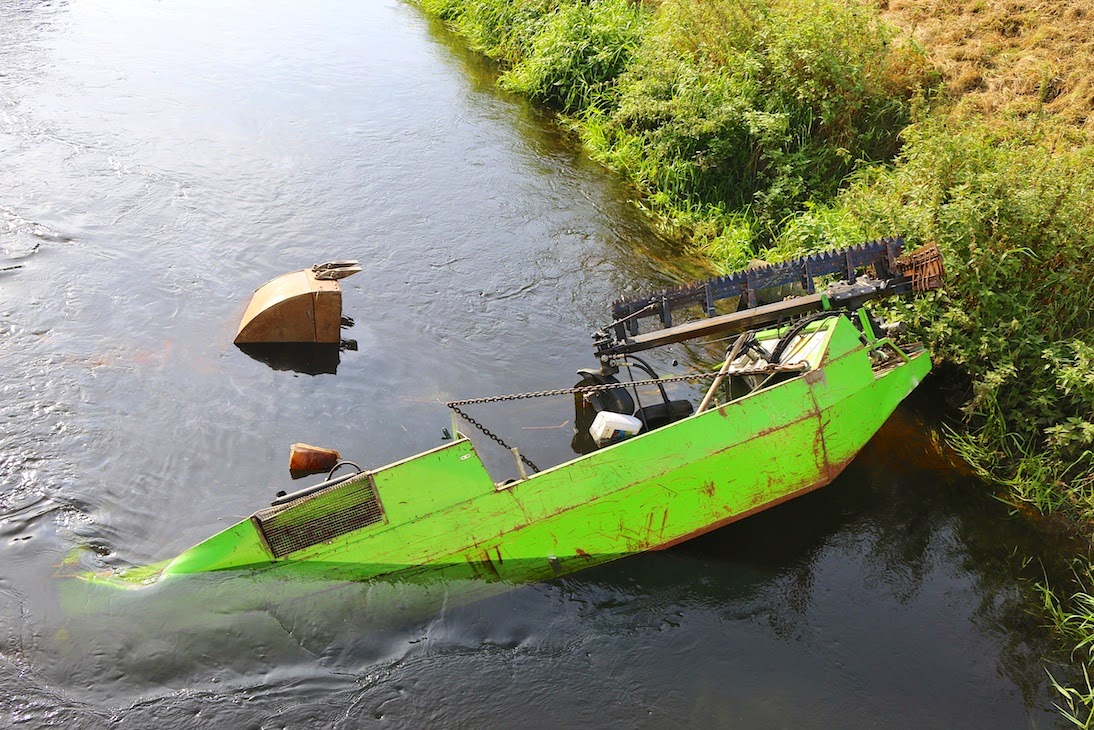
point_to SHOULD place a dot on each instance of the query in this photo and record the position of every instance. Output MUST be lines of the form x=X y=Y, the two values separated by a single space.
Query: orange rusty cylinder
x=305 y=459
x=304 y=306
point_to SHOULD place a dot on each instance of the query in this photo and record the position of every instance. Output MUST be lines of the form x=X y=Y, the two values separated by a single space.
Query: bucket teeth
x=333 y=270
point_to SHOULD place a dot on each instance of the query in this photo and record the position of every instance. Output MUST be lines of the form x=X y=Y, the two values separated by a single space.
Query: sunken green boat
x=806 y=383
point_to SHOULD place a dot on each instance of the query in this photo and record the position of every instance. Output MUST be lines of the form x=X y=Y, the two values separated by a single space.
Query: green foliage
x=1073 y=365
x=747 y=105
x=1072 y=617
x=501 y=29
x=725 y=114
x=1010 y=209
x=579 y=51
x=1078 y=707
x=566 y=53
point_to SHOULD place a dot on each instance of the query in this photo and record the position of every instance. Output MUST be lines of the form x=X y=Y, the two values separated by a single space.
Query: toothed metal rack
x=892 y=273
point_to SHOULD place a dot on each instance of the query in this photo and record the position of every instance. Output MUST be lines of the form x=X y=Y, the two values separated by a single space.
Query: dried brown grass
x=1008 y=57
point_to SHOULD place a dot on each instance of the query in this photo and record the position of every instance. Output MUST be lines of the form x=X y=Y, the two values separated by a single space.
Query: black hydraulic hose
x=637 y=399
x=643 y=365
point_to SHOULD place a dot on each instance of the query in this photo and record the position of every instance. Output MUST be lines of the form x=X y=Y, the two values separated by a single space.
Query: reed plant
x=1072 y=616
x=578 y=53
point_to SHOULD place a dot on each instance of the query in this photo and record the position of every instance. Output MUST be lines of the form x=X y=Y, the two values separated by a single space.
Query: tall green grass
x=500 y=29
x=734 y=113
x=1073 y=619
x=565 y=53
x=580 y=51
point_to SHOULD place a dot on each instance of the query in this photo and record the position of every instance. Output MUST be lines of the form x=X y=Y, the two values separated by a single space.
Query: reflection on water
x=159 y=160
x=304 y=358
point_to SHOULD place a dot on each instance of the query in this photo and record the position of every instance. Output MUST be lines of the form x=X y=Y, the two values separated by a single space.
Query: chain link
x=492 y=436
x=580 y=389
x=455 y=404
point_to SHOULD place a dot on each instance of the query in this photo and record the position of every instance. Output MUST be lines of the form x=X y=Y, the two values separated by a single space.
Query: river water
x=158 y=161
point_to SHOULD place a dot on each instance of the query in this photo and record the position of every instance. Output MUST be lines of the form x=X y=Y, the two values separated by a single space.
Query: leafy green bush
x=1010 y=208
x=747 y=105
x=500 y=29
x=566 y=53
x=579 y=51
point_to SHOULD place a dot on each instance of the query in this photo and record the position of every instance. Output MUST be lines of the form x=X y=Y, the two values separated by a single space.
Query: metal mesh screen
x=321 y=516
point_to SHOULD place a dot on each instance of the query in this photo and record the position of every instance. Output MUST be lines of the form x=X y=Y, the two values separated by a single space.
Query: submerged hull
x=439 y=516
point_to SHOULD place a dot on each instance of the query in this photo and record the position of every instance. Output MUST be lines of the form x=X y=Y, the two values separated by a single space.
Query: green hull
x=438 y=516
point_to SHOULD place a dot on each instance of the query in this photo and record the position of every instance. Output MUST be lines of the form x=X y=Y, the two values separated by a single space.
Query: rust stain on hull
x=740 y=516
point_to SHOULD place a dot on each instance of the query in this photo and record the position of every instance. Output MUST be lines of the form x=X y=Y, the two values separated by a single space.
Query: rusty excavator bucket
x=303 y=307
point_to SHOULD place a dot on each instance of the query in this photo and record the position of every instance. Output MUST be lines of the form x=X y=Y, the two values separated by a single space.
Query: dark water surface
x=158 y=161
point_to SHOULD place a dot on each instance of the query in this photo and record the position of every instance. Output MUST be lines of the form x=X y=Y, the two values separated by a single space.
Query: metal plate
x=320 y=517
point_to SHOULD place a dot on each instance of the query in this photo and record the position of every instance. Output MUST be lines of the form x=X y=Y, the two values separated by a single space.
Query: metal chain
x=580 y=389
x=491 y=435
x=455 y=405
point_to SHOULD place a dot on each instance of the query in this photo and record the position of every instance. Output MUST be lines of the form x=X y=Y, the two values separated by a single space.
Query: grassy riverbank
x=768 y=128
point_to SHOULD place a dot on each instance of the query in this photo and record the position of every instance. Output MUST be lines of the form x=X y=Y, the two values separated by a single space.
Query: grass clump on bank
x=735 y=113
x=564 y=53
x=1074 y=620
x=578 y=54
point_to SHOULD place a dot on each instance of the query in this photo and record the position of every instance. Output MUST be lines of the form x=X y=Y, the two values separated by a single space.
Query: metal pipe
x=733 y=353
x=520 y=464
x=330 y=482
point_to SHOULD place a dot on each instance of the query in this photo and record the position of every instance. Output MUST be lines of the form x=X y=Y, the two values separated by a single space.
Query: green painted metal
x=444 y=518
